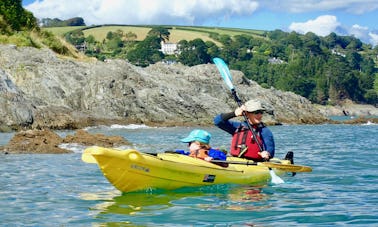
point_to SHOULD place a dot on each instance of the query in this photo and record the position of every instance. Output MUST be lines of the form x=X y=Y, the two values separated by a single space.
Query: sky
x=344 y=17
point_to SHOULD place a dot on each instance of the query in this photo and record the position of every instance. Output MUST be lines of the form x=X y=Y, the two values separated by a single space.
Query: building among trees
x=169 y=48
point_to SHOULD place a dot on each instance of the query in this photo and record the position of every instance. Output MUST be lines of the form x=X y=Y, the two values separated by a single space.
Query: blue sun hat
x=198 y=135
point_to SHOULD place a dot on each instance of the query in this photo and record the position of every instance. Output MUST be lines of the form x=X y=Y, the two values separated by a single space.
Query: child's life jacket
x=202 y=154
x=243 y=144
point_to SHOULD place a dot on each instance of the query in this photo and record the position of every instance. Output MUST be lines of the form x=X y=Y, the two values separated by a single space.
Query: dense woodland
x=326 y=70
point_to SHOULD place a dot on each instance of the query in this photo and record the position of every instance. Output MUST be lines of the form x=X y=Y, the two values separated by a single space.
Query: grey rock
x=39 y=89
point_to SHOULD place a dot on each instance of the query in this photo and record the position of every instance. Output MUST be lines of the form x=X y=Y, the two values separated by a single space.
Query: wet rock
x=84 y=138
x=35 y=141
x=47 y=142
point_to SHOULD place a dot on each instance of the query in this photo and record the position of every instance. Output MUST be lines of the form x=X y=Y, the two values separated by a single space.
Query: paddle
x=226 y=75
x=283 y=167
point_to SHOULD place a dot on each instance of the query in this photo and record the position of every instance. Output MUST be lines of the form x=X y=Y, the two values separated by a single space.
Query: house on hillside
x=275 y=60
x=334 y=51
x=169 y=48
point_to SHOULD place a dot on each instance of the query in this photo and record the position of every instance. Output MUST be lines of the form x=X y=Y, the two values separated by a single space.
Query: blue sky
x=344 y=17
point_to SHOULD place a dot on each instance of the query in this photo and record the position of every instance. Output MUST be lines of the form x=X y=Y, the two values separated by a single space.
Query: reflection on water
x=154 y=203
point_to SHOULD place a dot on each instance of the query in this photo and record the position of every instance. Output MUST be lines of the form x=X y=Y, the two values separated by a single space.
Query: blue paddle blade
x=224 y=71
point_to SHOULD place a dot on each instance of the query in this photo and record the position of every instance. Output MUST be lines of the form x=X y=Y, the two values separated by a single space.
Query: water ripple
x=61 y=190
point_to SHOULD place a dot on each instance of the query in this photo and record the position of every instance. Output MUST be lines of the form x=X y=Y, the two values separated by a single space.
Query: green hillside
x=61 y=31
x=325 y=70
x=177 y=33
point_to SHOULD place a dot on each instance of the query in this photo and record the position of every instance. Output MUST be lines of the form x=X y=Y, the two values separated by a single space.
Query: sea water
x=61 y=190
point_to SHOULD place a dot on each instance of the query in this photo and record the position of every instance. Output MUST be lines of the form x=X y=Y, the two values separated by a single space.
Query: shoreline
x=334 y=119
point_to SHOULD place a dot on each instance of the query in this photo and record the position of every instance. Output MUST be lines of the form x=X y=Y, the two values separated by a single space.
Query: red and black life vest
x=244 y=145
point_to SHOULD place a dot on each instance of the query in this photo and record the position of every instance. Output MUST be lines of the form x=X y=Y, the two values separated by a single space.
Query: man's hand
x=239 y=111
x=265 y=155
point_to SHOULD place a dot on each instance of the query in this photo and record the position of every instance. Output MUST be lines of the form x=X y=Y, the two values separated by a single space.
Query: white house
x=169 y=48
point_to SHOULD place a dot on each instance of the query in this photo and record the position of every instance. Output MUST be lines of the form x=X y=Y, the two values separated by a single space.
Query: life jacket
x=243 y=144
x=214 y=153
x=217 y=154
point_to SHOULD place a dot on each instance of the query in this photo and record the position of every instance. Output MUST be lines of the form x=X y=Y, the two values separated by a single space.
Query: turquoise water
x=61 y=190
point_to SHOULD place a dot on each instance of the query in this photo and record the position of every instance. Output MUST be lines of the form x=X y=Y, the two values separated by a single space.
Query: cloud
x=199 y=12
x=364 y=34
x=194 y=12
x=322 y=25
x=359 y=32
x=357 y=7
x=373 y=38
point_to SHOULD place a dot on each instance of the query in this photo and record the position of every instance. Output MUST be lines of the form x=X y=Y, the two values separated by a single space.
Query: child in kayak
x=199 y=146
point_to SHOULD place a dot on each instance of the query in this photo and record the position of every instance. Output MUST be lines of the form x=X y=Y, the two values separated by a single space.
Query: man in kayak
x=243 y=143
x=199 y=146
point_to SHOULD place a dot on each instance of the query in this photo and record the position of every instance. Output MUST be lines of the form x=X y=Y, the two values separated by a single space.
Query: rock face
x=349 y=108
x=47 y=142
x=39 y=90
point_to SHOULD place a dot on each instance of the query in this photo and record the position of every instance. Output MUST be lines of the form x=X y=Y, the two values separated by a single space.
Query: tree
x=17 y=17
x=277 y=35
x=90 y=39
x=76 y=21
x=130 y=36
x=160 y=32
x=75 y=37
x=293 y=39
x=146 y=52
x=193 y=52
x=354 y=59
x=331 y=40
x=114 y=43
x=212 y=49
x=312 y=43
x=371 y=97
x=225 y=39
x=109 y=35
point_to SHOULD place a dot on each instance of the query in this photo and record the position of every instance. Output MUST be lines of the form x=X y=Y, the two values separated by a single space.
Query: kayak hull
x=130 y=170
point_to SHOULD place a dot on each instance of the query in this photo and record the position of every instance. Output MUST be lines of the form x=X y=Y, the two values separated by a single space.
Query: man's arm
x=268 y=141
x=222 y=121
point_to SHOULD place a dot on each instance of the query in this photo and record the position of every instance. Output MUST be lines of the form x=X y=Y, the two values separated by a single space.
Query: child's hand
x=208 y=159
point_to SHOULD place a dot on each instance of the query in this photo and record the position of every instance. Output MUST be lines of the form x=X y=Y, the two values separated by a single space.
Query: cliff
x=39 y=89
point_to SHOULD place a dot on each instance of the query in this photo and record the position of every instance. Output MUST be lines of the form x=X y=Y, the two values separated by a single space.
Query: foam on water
x=74 y=147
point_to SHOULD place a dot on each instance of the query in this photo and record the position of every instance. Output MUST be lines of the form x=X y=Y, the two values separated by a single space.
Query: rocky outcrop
x=35 y=141
x=348 y=108
x=84 y=138
x=47 y=142
x=39 y=89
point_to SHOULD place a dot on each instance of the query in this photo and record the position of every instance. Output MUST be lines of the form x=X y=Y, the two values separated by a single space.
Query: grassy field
x=177 y=32
x=60 y=31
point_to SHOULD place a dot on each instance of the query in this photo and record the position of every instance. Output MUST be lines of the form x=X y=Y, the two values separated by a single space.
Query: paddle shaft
x=269 y=165
x=248 y=163
x=239 y=102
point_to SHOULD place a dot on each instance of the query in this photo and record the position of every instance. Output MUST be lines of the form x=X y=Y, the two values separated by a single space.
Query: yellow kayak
x=130 y=170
